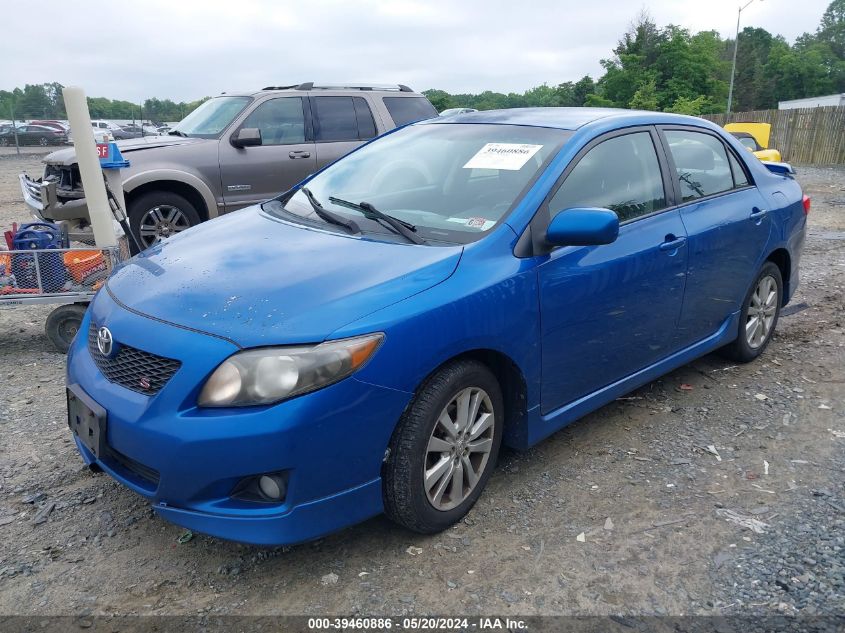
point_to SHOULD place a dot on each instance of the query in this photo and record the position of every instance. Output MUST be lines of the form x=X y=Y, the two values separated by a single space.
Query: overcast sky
x=186 y=49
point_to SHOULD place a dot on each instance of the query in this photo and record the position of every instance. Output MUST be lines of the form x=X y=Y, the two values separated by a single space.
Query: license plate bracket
x=87 y=420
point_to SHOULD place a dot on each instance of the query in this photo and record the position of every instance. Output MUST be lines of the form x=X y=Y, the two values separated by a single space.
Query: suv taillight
x=806 y=202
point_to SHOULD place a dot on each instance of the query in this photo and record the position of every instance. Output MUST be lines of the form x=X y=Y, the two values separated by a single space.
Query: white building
x=813 y=102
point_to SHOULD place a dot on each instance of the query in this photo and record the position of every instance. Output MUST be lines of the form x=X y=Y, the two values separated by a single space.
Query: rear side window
x=342 y=119
x=281 y=121
x=621 y=174
x=701 y=162
x=409 y=109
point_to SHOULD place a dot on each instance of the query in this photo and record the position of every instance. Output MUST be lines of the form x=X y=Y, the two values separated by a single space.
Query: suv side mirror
x=583 y=227
x=246 y=137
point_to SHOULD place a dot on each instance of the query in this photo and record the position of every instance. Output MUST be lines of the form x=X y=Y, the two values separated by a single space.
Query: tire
x=63 y=324
x=157 y=215
x=43 y=141
x=4 y=142
x=747 y=347
x=407 y=499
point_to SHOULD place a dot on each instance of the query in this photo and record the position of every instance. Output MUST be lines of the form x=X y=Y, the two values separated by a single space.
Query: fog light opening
x=272 y=487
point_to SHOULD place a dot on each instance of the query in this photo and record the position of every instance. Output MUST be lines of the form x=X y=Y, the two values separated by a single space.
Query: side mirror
x=246 y=137
x=583 y=227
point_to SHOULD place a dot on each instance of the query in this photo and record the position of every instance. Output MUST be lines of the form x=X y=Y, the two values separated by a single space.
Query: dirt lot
x=658 y=483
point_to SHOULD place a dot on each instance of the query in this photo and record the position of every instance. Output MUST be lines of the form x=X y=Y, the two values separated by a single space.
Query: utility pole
x=736 y=46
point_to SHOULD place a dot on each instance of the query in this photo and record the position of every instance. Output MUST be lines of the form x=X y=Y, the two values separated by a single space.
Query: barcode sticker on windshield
x=510 y=156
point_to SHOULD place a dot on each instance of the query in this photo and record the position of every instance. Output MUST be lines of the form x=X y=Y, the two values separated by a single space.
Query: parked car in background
x=52 y=123
x=232 y=151
x=32 y=135
x=453 y=111
x=755 y=137
x=374 y=335
x=123 y=133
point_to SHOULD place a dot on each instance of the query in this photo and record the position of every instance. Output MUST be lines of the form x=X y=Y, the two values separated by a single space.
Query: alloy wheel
x=43 y=142
x=459 y=448
x=161 y=222
x=761 y=312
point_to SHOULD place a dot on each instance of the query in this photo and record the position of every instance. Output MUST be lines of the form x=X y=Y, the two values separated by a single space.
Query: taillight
x=806 y=202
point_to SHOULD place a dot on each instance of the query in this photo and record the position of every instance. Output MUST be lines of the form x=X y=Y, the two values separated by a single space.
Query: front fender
x=157 y=175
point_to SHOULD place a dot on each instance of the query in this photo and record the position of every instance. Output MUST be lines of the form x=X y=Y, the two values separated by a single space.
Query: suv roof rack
x=310 y=85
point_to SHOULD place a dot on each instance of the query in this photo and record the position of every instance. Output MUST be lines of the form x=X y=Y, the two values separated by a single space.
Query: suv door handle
x=673 y=243
x=299 y=154
x=758 y=214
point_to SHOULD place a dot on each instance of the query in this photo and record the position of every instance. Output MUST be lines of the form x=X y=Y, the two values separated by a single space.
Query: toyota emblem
x=104 y=341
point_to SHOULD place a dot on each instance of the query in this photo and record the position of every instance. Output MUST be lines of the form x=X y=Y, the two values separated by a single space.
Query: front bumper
x=186 y=461
x=44 y=205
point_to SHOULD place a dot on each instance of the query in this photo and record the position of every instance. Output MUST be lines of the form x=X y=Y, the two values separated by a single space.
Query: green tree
x=645 y=98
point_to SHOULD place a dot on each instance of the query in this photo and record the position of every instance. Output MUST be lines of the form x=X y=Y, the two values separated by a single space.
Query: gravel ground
x=715 y=490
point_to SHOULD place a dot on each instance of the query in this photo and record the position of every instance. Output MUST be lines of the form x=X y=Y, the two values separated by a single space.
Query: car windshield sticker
x=511 y=156
x=481 y=224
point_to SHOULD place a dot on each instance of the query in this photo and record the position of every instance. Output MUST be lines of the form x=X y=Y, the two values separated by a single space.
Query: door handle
x=299 y=154
x=673 y=243
x=758 y=214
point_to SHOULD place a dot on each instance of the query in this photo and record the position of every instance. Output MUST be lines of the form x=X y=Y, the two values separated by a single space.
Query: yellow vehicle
x=755 y=136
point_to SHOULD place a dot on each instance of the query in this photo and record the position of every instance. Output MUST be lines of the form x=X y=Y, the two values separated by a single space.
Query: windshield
x=453 y=182
x=212 y=117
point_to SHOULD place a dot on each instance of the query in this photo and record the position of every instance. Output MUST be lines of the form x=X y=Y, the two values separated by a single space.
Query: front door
x=608 y=311
x=286 y=154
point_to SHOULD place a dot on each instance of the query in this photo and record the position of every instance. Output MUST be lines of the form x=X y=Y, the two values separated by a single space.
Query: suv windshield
x=453 y=182
x=212 y=117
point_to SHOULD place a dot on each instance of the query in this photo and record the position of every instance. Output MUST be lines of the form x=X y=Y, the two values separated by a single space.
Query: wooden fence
x=806 y=135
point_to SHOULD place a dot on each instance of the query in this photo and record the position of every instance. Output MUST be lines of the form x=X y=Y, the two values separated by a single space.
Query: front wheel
x=759 y=316
x=444 y=448
x=157 y=215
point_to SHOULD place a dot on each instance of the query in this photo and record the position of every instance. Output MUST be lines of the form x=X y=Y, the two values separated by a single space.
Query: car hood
x=67 y=156
x=258 y=280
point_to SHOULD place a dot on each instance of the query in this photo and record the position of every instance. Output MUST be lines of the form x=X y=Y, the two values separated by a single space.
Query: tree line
x=44 y=101
x=674 y=70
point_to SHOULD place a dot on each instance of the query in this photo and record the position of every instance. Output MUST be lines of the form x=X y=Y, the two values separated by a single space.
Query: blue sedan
x=366 y=342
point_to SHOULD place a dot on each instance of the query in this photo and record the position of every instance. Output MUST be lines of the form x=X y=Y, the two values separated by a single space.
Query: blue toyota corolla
x=366 y=342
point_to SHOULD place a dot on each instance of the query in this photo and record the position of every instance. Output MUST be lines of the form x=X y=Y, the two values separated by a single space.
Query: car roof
x=566 y=118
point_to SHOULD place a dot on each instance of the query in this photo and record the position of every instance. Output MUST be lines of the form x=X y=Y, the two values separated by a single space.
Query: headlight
x=271 y=374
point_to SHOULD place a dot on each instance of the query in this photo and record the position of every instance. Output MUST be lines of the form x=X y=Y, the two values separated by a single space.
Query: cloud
x=187 y=49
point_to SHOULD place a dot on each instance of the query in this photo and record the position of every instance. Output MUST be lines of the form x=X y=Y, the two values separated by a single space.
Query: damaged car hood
x=257 y=280
x=67 y=156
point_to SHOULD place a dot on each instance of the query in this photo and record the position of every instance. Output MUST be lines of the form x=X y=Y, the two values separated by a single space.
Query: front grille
x=132 y=368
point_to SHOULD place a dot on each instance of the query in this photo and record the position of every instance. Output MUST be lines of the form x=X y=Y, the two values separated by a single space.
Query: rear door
x=608 y=311
x=286 y=154
x=728 y=226
x=341 y=123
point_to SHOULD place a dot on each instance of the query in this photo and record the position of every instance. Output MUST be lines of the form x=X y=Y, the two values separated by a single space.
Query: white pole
x=99 y=210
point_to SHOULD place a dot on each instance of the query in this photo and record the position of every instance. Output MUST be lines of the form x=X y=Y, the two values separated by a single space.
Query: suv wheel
x=157 y=215
x=444 y=448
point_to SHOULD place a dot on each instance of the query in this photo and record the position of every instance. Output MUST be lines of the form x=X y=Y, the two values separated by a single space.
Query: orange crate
x=82 y=263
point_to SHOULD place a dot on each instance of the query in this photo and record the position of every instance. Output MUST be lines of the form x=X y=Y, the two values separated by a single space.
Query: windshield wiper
x=177 y=133
x=328 y=216
x=405 y=229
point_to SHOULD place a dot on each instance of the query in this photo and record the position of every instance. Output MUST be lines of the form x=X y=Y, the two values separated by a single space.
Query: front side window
x=621 y=174
x=281 y=121
x=409 y=109
x=211 y=117
x=454 y=182
x=701 y=163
